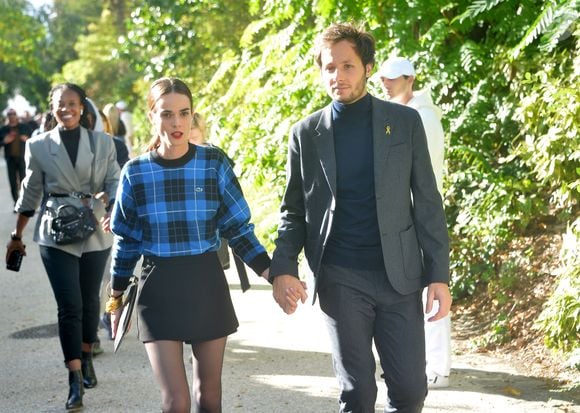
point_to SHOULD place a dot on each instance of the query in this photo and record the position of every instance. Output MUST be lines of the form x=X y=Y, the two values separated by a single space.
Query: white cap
x=396 y=67
x=121 y=105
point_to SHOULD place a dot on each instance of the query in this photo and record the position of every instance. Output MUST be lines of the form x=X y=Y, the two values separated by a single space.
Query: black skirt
x=184 y=299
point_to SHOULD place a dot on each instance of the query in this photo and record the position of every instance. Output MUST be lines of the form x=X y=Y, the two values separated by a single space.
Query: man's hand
x=439 y=292
x=287 y=290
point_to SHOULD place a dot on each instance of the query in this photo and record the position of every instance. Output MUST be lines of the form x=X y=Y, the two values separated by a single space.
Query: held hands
x=287 y=290
x=439 y=292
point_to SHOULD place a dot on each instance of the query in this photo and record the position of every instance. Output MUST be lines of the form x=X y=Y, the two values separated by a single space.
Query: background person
x=362 y=201
x=13 y=138
x=114 y=117
x=110 y=116
x=63 y=164
x=126 y=117
x=397 y=76
x=46 y=121
x=196 y=198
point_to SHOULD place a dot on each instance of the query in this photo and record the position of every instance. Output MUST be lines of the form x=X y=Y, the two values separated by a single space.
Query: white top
x=431 y=117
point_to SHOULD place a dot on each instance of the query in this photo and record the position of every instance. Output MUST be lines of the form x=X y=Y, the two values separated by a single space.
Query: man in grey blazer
x=362 y=201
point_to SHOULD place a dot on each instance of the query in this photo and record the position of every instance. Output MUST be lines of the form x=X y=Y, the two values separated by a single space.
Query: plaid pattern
x=180 y=207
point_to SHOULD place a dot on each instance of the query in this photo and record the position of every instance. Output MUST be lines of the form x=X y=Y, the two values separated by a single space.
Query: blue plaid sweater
x=178 y=207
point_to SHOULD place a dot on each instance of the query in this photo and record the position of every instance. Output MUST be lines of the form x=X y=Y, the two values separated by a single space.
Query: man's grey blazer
x=49 y=169
x=410 y=211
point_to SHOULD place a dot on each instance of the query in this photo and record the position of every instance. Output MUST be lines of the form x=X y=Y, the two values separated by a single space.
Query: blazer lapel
x=324 y=142
x=85 y=157
x=382 y=133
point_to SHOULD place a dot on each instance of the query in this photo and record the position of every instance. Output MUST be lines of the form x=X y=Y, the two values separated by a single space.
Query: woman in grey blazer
x=70 y=165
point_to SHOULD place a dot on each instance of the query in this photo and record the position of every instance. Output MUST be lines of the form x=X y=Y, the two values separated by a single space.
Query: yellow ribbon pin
x=388 y=129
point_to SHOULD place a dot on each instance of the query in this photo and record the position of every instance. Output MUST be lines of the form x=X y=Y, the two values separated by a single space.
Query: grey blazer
x=410 y=212
x=49 y=169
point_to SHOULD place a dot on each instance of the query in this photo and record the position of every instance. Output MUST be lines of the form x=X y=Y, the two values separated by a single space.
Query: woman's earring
x=81 y=112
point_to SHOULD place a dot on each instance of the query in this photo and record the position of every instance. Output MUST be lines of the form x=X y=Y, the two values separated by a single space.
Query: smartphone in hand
x=14 y=260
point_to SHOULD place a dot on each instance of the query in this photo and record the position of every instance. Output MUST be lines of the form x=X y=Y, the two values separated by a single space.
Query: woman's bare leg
x=166 y=358
x=208 y=359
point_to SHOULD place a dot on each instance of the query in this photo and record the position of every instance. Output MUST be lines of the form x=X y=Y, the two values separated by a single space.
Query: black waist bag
x=72 y=224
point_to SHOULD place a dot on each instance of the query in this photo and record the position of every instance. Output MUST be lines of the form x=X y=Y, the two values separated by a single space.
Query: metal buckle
x=80 y=195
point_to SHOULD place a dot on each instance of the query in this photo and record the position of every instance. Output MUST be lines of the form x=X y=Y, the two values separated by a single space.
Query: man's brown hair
x=363 y=42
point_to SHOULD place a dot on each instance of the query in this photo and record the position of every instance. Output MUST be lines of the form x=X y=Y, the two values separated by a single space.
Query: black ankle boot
x=89 y=376
x=76 y=390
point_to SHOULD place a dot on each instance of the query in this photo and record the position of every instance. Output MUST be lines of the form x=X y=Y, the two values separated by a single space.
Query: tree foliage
x=19 y=56
x=35 y=44
x=104 y=76
x=183 y=38
x=560 y=319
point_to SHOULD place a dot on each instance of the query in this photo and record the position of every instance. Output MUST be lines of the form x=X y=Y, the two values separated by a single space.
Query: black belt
x=79 y=195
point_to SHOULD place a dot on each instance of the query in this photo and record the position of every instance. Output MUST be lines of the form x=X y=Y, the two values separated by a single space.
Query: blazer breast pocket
x=399 y=150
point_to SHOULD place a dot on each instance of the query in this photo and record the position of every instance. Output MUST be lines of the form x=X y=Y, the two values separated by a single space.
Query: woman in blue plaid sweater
x=172 y=205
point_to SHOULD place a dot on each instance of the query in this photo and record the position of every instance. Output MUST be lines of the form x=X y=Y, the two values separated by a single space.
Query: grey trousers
x=361 y=306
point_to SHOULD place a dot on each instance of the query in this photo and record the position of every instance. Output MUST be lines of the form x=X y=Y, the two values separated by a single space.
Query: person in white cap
x=397 y=76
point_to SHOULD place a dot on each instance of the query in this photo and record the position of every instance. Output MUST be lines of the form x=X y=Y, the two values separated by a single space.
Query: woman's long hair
x=112 y=114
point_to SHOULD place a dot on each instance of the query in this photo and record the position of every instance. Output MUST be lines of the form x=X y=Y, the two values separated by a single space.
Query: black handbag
x=72 y=224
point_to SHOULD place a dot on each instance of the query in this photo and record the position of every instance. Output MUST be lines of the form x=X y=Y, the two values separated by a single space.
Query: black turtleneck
x=71 y=138
x=355 y=239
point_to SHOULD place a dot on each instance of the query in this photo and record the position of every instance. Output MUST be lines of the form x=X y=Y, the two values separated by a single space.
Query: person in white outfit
x=396 y=77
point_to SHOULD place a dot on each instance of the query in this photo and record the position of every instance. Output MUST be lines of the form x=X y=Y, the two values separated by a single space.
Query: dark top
x=354 y=240
x=122 y=151
x=70 y=139
x=16 y=148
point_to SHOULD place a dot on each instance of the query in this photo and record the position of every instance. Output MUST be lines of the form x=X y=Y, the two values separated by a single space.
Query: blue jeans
x=76 y=284
x=360 y=307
